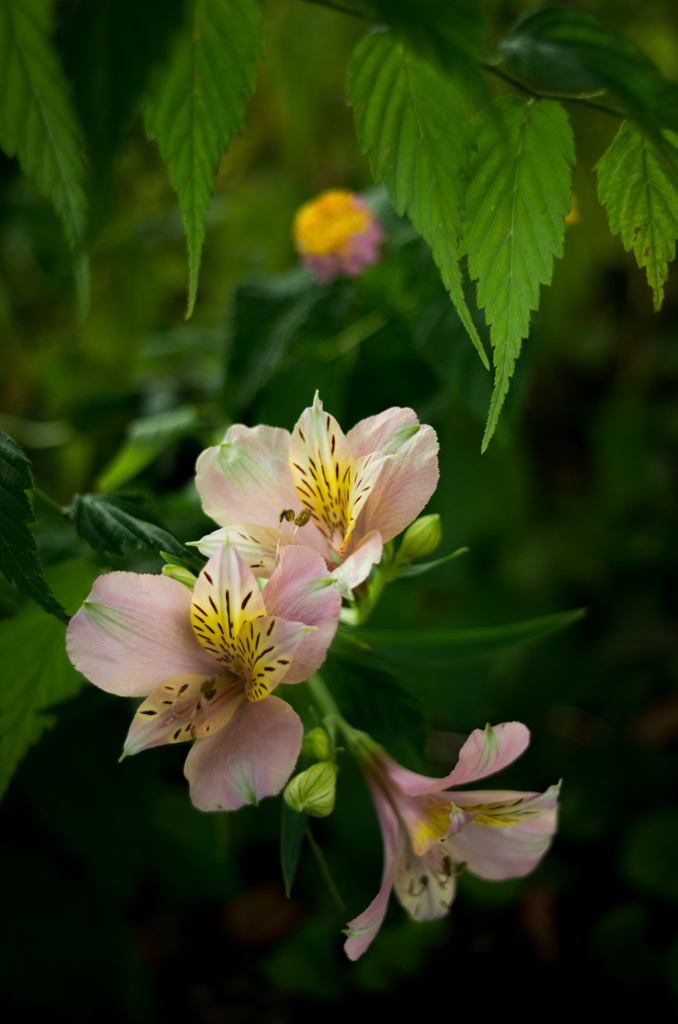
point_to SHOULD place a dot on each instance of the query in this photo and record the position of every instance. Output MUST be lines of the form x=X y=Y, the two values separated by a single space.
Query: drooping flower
x=336 y=234
x=207 y=663
x=430 y=836
x=361 y=489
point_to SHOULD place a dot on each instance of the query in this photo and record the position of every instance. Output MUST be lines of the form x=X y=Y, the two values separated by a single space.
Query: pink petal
x=178 y=710
x=511 y=851
x=260 y=546
x=301 y=589
x=486 y=751
x=250 y=758
x=357 y=566
x=225 y=596
x=362 y=929
x=405 y=483
x=246 y=479
x=134 y=631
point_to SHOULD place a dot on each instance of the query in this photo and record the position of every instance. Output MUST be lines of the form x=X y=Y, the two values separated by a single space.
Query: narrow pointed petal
x=508 y=837
x=225 y=596
x=267 y=646
x=357 y=566
x=320 y=464
x=183 y=708
x=362 y=929
x=363 y=477
x=486 y=751
x=302 y=590
x=134 y=631
x=250 y=758
x=246 y=479
x=405 y=482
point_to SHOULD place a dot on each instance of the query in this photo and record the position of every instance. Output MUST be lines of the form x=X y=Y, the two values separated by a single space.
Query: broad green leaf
x=450 y=31
x=292 y=829
x=147 y=438
x=570 y=52
x=516 y=206
x=37 y=121
x=641 y=199
x=109 y=48
x=405 y=650
x=111 y=522
x=413 y=121
x=37 y=674
x=198 y=102
x=418 y=568
x=18 y=552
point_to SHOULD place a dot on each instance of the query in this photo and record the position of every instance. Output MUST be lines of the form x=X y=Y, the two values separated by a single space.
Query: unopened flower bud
x=421 y=538
x=314 y=790
x=181 y=575
x=317 y=744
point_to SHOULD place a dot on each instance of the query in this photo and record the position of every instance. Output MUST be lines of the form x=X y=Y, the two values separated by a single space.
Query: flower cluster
x=336 y=234
x=303 y=519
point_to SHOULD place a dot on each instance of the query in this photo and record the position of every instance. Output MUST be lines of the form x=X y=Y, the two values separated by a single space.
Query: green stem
x=63 y=510
x=334 y=721
x=493 y=70
x=325 y=870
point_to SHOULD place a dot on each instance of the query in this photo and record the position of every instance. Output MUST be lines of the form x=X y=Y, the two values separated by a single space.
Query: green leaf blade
x=37 y=120
x=516 y=206
x=36 y=670
x=413 y=122
x=111 y=522
x=292 y=830
x=405 y=650
x=641 y=198
x=18 y=552
x=198 y=102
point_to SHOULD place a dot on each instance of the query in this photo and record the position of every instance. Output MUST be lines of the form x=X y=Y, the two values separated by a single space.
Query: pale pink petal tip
x=252 y=757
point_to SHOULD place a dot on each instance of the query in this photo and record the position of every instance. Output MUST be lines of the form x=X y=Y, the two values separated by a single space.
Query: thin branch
x=550 y=95
x=63 y=510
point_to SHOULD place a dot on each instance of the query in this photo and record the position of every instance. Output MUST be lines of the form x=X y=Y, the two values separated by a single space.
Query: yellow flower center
x=325 y=224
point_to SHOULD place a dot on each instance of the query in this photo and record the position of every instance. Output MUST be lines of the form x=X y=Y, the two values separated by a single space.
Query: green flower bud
x=314 y=790
x=317 y=744
x=421 y=538
x=181 y=575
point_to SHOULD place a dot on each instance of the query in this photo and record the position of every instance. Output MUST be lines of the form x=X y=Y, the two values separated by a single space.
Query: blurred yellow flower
x=336 y=234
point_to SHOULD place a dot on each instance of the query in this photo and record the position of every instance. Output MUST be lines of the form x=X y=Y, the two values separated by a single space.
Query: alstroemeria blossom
x=361 y=489
x=430 y=835
x=207 y=663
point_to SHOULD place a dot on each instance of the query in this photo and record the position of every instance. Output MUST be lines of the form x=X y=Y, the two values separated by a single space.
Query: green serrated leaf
x=404 y=650
x=111 y=522
x=641 y=198
x=37 y=121
x=449 y=31
x=516 y=206
x=37 y=674
x=293 y=826
x=413 y=121
x=18 y=552
x=198 y=102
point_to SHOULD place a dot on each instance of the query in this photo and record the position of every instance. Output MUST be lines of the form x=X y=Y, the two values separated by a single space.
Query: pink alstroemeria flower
x=430 y=835
x=361 y=489
x=207 y=663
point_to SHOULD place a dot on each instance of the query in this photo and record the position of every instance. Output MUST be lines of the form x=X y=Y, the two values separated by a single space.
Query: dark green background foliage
x=121 y=902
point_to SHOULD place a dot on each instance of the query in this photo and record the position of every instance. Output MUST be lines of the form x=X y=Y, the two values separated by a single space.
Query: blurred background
x=121 y=901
